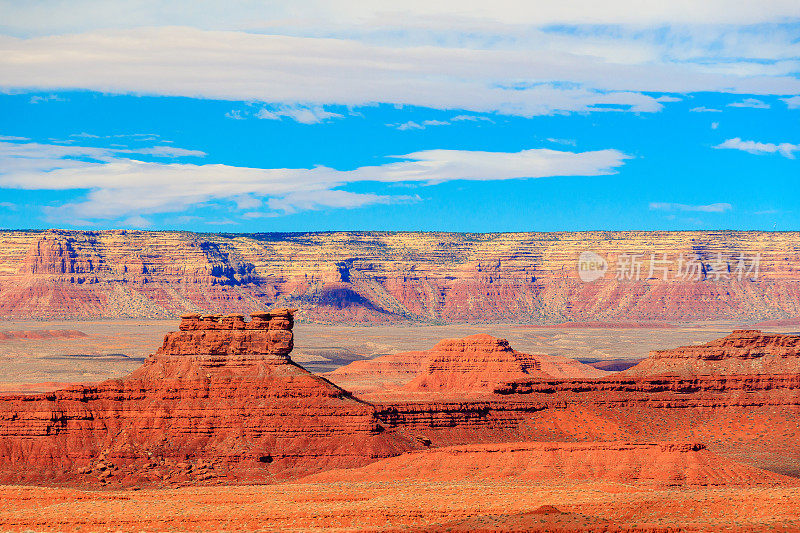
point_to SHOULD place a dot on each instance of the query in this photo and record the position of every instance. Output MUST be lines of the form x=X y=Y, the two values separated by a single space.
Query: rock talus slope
x=375 y=277
x=660 y=464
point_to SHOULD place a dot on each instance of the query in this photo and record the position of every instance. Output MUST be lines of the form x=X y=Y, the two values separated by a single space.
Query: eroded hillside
x=372 y=277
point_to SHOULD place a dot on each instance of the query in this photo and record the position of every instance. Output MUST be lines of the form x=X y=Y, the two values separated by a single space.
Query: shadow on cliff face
x=341 y=296
x=335 y=300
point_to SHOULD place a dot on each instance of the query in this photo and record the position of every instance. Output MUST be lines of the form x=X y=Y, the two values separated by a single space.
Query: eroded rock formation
x=219 y=399
x=476 y=363
x=741 y=352
x=375 y=277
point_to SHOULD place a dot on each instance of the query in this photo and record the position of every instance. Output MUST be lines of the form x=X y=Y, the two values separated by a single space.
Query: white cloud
x=8 y=205
x=12 y=138
x=532 y=72
x=411 y=125
x=121 y=187
x=793 y=102
x=710 y=208
x=298 y=113
x=702 y=109
x=235 y=114
x=137 y=221
x=667 y=99
x=714 y=125
x=36 y=99
x=163 y=151
x=750 y=102
x=470 y=118
x=570 y=142
x=246 y=202
x=754 y=147
x=313 y=16
x=313 y=200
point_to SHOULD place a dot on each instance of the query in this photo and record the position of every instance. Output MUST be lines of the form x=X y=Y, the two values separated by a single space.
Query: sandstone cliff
x=741 y=352
x=383 y=277
x=476 y=363
x=219 y=399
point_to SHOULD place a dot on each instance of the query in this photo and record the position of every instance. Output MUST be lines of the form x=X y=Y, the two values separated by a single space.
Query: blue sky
x=288 y=117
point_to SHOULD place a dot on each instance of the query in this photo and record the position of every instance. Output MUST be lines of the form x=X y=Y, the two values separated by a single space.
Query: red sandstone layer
x=222 y=400
x=474 y=364
x=209 y=404
x=741 y=352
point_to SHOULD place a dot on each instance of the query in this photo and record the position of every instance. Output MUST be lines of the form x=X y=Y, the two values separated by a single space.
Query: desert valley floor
x=104 y=349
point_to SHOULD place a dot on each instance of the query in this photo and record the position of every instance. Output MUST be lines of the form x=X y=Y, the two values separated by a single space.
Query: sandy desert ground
x=404 y=506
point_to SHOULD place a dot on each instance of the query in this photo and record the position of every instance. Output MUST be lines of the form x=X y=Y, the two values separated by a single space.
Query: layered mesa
x=221 y=400
x=377 y=277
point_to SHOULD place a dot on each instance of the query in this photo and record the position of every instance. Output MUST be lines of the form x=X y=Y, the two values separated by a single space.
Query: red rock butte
x=221 y=400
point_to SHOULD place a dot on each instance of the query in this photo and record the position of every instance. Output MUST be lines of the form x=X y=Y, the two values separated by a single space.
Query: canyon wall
x=377 y=277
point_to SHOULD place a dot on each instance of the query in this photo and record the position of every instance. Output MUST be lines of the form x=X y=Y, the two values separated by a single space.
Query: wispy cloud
x=702 y=109
x=750 y=102
x=137 y=221
x=352 y=16
x=298 y=113
x=568 y=142
x=526 y=72
x=37 y=99
x=412 y=125
x=304 y=114
x=12 y=138
x=709 y=208
x=754 y=147
x=793 y=102
x=470 y=118
x=235 y=114
x=140 y=137
x=121 y=186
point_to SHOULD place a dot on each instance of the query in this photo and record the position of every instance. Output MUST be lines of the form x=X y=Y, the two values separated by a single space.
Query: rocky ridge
x=377 y=277
x=476 y=363
x=222 y=400
x=219 y=399
x=741 y=352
